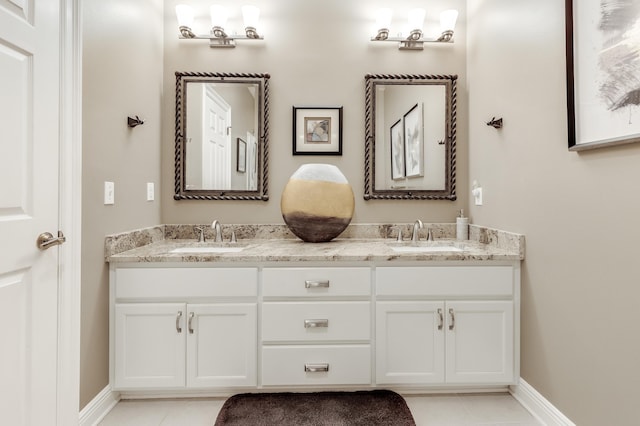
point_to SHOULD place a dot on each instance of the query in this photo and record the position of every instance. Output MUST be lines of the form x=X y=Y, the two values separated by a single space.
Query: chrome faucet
x=218 y=228
x=416 y=226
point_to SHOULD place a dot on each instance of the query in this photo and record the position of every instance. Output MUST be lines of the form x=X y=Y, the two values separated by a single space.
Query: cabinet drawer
x=316 y=321
x=445 y=281
x=306 y=365
x=182 y=283
x=316 y=282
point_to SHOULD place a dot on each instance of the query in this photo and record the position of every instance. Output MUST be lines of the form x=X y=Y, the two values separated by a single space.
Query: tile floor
x=439 y=410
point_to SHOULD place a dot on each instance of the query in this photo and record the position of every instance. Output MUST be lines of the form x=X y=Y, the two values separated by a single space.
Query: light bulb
x=218 y=16
x=448 y=20
x=383 y=18
x=185 y=15
x=416 y=19
x=250 y=15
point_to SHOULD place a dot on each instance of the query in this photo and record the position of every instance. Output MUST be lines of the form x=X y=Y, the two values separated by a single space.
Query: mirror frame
x=261 y=193
x=370 y=191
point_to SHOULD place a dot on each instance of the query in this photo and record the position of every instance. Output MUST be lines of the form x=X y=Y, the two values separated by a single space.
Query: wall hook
x=133 y=122
x=496 y=124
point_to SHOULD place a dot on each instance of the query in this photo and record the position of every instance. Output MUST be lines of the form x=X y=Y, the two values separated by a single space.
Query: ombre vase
x=317 y=203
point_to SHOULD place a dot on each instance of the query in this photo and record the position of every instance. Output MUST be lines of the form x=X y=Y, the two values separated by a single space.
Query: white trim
x=538 y=405
x=99 y=407
x=70 y=206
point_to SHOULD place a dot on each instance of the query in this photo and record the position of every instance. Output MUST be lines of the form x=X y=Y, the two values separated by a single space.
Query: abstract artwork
x=603 y=72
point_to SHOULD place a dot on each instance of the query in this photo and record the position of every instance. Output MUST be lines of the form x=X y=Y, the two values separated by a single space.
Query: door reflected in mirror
x=221 y=140
x=410 y=141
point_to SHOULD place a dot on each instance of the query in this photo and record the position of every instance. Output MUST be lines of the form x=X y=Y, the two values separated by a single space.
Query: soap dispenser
x=462 y=227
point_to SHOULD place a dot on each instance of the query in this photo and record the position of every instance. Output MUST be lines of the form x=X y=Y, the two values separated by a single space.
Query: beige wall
x=317 y=53
x=580 y=316
x=122 y=75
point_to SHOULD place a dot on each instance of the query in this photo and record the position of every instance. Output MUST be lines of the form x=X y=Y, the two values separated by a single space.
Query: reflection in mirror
x=410 y=137
x=221 y=136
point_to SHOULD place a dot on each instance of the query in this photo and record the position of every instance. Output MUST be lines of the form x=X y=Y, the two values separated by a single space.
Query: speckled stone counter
x=273 y=243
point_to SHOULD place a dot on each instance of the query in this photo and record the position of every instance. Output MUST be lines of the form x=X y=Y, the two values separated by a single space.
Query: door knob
x=46 y=240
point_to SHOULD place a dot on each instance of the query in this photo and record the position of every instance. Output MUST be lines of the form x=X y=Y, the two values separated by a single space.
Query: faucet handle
x=200 y=230
x=233 y=236
x=429 y=235
x=399 y=239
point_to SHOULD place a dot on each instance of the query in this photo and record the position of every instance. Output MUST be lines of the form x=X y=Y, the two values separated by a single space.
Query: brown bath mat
x=363 y=408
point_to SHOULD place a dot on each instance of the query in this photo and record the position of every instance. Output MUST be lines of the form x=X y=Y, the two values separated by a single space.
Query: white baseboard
x=99 y=407
x=543 y=410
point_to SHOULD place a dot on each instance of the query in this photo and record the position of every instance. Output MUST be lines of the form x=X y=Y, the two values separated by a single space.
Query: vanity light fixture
x=415 y=40
x=217 y=36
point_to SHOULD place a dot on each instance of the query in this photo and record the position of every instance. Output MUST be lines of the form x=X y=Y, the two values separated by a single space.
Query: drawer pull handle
x=316 y=323
x=453 y=319
x=191 y=315
x=316 y=368
x=316 y=284
x=178 y=318
x=440 y=319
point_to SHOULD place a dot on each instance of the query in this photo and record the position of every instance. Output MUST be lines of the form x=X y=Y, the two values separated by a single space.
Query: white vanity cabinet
x=316 y=326
x=178 y=328
x=447 y=325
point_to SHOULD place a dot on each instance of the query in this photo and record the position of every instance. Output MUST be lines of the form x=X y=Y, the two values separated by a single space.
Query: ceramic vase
x=317 y=202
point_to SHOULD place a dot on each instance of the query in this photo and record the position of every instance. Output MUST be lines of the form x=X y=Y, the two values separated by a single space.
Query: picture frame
x=397 y=150
x=413 y=142
x=603 y=100
x=241 y=157
x=317 y=130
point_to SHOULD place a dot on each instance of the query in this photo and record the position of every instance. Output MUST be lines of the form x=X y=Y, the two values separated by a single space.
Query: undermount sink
x=425 y=248
x=208 y=249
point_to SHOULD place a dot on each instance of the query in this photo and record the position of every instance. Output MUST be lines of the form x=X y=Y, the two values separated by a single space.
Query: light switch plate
x=151 y=193
x=109 y=193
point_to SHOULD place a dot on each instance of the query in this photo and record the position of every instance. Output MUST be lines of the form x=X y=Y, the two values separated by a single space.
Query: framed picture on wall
x=397 y=151
x=413 y=142
x=241 y=163
x=317 y=130
x=603 y=73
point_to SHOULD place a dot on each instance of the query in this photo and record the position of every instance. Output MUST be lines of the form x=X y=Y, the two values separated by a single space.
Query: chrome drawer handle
x=315 y=323
x=316 y=284
x=453 y=319
x=191 y=315
x=316 y=368
x=440 y=319
x=178 y=318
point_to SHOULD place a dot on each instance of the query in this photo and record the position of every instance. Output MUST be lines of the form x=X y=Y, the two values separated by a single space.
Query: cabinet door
x=480 y=342
x=409 y=342
x=222 y=345
x=149 y=345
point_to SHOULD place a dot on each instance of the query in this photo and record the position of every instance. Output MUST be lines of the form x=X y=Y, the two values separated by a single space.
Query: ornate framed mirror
x=221 y=136
x=410 y=144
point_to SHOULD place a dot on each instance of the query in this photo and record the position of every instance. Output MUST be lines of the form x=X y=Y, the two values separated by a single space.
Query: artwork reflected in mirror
x=410 y=137
x=221 y=138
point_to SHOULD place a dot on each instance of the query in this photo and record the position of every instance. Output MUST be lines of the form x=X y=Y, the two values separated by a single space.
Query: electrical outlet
x=151 y=192
x=109 y=193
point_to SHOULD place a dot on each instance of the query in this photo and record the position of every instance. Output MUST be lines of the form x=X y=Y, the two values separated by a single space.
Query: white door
x=150 y=345
x=480 y=342
x=29 y=143
x=216 y=146
x=409 y=342
x=222 y=345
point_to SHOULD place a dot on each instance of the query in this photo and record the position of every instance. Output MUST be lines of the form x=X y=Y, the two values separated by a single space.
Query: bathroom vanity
x=192 y=318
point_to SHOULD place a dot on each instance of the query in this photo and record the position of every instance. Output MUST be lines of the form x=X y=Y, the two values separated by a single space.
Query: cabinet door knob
x=316 y=284
x=315 y=323
x=440 y=319
x=191 y=315
x=453 y=319
x=178 y=319
x=316 y=368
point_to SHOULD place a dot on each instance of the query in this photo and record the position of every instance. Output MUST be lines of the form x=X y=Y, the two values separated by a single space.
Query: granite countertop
x=272 y=243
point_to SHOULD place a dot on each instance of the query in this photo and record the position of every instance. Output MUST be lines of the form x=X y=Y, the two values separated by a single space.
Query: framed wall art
x=317 y=130
x=413 y=142
x=397 y=151
x=603 y=73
